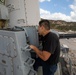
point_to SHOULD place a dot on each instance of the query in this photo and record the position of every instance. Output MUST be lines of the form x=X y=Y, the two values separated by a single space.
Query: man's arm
x=44 y=55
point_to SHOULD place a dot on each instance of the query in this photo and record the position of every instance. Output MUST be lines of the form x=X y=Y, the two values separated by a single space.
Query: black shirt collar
x=46 y=35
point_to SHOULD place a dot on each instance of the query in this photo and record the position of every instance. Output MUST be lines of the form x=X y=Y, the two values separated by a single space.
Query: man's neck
x=46 y=32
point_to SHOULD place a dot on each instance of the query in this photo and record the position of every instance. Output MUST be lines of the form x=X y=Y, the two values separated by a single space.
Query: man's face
x=40 y=30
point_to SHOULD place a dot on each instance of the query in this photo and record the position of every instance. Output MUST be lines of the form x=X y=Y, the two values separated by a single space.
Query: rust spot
x=3 y=61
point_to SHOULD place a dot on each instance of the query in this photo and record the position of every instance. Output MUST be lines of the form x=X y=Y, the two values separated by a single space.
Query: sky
x=58 y=10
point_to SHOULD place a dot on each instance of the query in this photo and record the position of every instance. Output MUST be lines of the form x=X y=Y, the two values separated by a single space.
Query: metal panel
x=32 y=35
x=22 y=12
x=6 y=65
x=14 y=60
x=3 y=12
x=32 y=12
x=6 y=44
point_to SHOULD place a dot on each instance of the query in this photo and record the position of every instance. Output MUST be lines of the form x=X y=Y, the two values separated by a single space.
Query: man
x=49 y=55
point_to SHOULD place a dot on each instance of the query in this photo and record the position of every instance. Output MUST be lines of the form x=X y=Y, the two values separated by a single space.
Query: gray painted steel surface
x=15 y=57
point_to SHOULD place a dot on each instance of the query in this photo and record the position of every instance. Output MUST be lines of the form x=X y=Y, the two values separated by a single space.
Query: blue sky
x=58 y=9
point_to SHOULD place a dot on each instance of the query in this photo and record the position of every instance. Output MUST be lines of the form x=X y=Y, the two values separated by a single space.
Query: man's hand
x=33 y=47
x=44 y=55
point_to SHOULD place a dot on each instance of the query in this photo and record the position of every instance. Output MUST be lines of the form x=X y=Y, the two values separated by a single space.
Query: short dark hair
x=45 y=23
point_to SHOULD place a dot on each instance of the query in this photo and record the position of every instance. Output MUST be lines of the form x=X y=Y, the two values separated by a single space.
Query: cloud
x=73 y=12
x=54 y=16
x=60 y=16
x=44 y=0
x=42 y=12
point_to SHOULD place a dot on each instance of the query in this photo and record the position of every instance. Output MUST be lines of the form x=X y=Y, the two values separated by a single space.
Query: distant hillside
x=62 y=25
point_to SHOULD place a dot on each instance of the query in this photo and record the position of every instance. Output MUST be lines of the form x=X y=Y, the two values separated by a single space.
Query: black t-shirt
x=50 y=43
